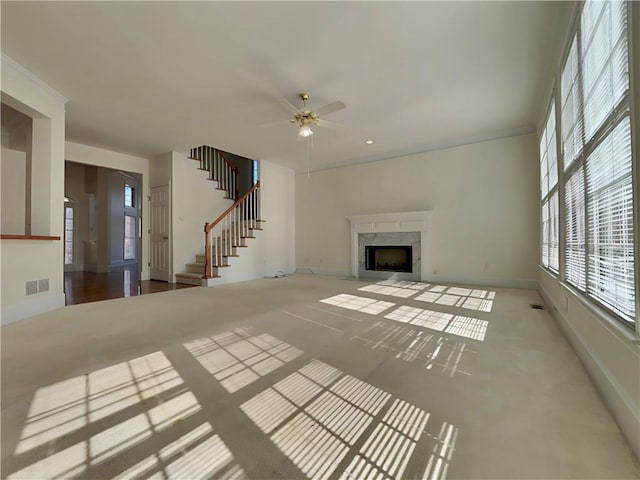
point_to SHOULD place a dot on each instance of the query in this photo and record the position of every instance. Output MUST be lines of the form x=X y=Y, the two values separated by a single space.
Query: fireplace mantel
x=393 y=222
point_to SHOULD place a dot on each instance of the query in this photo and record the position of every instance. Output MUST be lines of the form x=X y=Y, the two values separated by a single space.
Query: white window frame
x=547 y=241
x=69 y=205
x=602 y=132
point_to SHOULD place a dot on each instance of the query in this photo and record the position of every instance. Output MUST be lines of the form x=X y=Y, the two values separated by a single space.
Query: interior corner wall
x=272 y=252
x=484 y=199
x=277 y=195
x=74 y=188
x=28 y=260
x=612 y=361
x=99 y=157
x=13 y=171
x=194 y=201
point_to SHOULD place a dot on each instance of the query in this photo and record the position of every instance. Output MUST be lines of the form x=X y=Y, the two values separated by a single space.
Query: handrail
x=10 y=236
x=209 y=226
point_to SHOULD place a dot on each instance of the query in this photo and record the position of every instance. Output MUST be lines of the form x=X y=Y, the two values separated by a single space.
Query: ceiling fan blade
x=289 y=106
x=330 y=108
x=276 y=123
x=331 y=125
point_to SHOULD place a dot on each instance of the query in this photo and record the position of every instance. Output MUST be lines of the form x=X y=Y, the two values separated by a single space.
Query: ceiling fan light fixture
x=305 y=131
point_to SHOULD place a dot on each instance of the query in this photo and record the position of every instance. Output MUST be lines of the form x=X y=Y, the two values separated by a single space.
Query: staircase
x=227 y=234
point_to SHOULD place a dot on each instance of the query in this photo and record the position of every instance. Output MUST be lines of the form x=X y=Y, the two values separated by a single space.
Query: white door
x=160 y=227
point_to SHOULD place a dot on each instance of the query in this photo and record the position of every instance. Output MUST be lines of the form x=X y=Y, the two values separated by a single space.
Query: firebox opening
x=388 y=258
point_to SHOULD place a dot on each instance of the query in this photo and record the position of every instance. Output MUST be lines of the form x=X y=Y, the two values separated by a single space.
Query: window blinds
x=554 y=234
x=549 y=193
x=610 y=222
x=552 y=155
x=574 y=230
x=570 y=100
x=596 y=139
x=605 y=61
x=545 y=233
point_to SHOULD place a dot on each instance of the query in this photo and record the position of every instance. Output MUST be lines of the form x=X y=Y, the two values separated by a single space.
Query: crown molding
x=435 y=147
x=10 y=65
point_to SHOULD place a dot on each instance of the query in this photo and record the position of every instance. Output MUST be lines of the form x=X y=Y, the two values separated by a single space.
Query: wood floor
x=85 y=287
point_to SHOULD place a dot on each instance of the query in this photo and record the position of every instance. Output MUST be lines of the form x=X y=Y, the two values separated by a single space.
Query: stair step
x=195 y=268
x=248 y=237
x=260 y=220
x=256 y=228
x=189 y=278
x=227 y=256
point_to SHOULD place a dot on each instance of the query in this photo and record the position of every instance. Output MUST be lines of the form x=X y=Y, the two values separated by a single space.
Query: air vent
x=31 y=287
x=43 y=285
x=536 y=306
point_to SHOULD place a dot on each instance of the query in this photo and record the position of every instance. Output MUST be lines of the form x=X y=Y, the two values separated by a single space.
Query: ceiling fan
x=305 y=118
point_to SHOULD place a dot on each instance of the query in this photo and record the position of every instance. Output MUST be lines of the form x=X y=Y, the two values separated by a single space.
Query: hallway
x=85 y=287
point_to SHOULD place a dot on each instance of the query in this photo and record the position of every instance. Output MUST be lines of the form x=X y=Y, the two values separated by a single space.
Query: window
x=596 y=139
x=129 y=196
x=254 y=171
x=68 y=235
x=129 y=237
x=549 y=194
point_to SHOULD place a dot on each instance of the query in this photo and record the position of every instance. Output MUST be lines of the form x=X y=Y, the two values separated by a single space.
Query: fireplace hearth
x=388 y=258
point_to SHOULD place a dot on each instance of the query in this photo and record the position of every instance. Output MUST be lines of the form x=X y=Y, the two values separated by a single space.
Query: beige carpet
x=303 y=377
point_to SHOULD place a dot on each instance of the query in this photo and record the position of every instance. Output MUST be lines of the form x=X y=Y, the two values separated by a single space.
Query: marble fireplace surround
x=393 y=222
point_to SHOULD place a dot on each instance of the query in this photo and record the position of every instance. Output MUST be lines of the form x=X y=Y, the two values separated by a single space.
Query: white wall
x=13 y=168
x=273 y=249
x=607 y=349
x=484 y=199
x=74 y=188
x=195 y=201
x=76 y=152
x=607 y=353
x=26 y=260
x=277 y=186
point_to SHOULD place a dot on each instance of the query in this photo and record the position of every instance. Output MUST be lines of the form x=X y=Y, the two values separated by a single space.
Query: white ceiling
x=150 y=77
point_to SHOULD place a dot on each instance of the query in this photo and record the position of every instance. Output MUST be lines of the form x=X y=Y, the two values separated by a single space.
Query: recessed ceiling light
x=369 y=142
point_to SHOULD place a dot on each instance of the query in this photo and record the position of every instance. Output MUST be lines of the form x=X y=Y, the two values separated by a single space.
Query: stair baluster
x=229 y=230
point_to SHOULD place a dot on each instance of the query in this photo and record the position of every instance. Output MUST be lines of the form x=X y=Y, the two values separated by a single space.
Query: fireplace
x=388 y=258
x=406 y=230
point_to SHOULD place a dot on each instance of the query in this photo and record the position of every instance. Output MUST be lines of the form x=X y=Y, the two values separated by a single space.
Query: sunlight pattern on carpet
x=237 y=358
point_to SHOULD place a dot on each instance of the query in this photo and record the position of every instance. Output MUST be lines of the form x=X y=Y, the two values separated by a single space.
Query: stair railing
x=230 y=229
x=215 y=162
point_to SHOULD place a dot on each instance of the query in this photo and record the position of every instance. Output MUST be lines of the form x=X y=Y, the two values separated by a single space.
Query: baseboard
x=522 y=283
x=329 y=272
x=621 y=407
x=31 y=307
